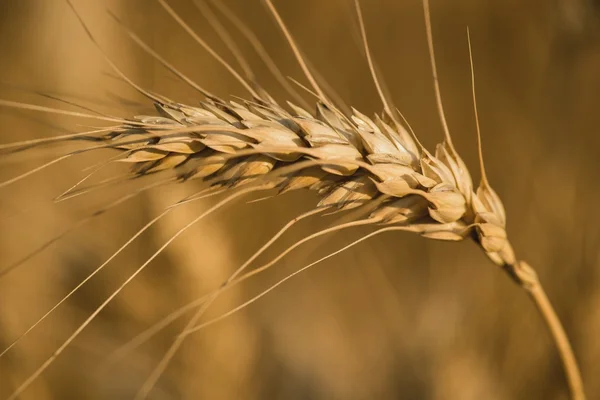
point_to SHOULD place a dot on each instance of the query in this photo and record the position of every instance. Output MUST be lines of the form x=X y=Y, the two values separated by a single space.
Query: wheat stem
x=561 y=340
x=527 y=278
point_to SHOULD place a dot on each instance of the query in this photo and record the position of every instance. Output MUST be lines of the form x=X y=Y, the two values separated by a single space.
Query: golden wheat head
x=373 y=166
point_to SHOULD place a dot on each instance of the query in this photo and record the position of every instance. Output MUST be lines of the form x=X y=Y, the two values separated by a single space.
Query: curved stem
x=526 y=277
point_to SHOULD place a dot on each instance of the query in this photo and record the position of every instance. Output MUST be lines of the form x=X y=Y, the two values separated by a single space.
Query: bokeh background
x=397 y=317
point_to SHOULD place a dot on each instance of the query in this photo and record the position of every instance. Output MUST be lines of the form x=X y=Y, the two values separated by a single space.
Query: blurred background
x=396 y=317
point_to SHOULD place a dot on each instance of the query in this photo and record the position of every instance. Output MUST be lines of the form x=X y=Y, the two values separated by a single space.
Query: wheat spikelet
x=375 y=166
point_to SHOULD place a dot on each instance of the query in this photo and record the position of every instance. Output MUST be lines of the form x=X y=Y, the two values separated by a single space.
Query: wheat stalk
x=375 y=166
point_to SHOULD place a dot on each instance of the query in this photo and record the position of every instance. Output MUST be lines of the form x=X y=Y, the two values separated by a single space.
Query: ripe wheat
x=374 y=166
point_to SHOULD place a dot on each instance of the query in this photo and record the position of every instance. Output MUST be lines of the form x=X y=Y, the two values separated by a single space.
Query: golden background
x=395 y=317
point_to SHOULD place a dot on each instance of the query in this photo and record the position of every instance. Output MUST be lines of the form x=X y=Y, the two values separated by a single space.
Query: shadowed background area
x=394 y=317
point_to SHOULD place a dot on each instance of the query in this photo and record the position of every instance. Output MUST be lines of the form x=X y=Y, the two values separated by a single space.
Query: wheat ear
x=349 y=159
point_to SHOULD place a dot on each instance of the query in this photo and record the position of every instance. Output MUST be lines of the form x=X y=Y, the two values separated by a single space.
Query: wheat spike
x=350 y=160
